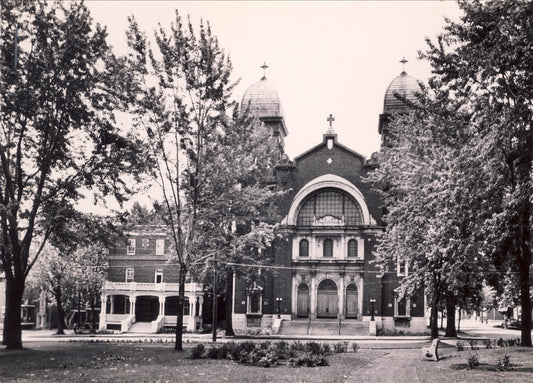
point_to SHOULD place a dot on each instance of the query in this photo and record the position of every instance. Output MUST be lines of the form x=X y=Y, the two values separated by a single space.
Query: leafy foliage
x=58 y=132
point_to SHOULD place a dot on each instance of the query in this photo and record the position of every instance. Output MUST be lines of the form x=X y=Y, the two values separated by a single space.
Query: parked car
x=83 y=328
x=512 y=324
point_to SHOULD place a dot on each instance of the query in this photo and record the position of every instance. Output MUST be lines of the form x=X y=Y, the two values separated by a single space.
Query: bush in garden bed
x=268 y=354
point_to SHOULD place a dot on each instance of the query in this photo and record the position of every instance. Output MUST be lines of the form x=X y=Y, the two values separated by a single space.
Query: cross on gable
x=264 y=67
x=330 y=119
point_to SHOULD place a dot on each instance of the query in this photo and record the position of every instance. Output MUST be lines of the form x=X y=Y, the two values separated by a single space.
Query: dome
x=262 y=99
x=403 y=85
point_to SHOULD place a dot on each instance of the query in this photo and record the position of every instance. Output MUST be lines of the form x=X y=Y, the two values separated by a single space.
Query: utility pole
x=214 y=297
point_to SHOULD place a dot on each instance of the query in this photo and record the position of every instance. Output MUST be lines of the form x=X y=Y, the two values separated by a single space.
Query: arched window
x=304 y=248
x=330 y=203
x=328 y=248
x=352 y=248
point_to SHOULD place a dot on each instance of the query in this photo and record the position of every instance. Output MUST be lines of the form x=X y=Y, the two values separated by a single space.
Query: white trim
x=329 y=181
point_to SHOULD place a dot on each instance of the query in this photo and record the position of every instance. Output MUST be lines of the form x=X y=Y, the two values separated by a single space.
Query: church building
x=324 y=280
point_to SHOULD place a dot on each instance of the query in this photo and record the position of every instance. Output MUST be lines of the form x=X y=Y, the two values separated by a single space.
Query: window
x=129 y=274
x=304 y=248
x=131 y=246
x=159 y=276
x=186 y=306
x=145 y=242
x=330 y=203
x=401 y=307
x=159 y=247
x=255 y=303
x=352 y=248
x=328 y=248
x=401 y=270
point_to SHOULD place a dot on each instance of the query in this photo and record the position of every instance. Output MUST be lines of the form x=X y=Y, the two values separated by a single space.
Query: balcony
x=156 y=287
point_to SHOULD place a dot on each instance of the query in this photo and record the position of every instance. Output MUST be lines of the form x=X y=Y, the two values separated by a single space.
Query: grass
x=125 y=362
x=453 y=366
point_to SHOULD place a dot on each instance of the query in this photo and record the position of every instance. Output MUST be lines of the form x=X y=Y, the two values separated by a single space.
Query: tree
x=58 y=132
x=485 y=59
x=208 y=162
x=55 y=274
x=430 y=200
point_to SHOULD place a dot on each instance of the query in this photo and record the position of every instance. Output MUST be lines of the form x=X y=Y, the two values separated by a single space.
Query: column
x=200 y=305
x=112 y=304
x=161 y=305
x=192 y=309
x=341 y=294
x=132 y=304
x=103 y=312
x=313 y=302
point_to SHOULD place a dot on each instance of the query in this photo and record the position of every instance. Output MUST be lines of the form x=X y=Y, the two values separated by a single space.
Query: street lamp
x=279 y=299
x=372 y=301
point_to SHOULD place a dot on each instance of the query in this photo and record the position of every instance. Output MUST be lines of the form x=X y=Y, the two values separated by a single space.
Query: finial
x=264 y=67
x=330 y=119
x=403 y=61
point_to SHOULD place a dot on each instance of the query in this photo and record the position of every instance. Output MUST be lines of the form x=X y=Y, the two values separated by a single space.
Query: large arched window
x=304 y=248
x=330 y=203
x=352 y=248
x=328 y=248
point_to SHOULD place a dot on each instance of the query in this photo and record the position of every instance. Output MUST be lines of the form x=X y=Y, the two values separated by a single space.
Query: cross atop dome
x=264 y=67
x=403 y=61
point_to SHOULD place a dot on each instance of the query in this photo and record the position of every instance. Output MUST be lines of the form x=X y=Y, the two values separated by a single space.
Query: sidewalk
x=393 y=367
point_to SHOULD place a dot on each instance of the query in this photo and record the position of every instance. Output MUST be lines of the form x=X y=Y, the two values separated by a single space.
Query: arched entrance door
x=351 y=301
x=302 y=310
x=327 y=299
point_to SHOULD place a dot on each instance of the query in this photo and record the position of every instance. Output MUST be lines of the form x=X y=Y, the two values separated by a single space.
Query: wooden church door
x=302 y=310
x=327 y=299
x=351 y=301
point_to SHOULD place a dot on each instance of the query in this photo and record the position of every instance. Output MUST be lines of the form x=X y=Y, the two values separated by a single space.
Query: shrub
x=500 y=342
x=460 y=345
x=488 y=343
x=326 y=349
x=313 y=348
x=473 y=361
x=308 y=360
x=281 y=349
x=222 y=351
x=340 y=347
x=212 y=353
x=197 y=351
x=268 y=360
x=355 y=347
x=473 y=344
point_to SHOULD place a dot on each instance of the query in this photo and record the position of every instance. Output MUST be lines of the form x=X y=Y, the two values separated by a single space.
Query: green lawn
x=124 y=362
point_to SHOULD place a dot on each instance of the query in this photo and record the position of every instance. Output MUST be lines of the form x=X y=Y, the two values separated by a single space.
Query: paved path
x=396 y=366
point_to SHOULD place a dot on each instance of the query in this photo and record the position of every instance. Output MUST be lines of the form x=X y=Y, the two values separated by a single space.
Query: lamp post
x=279 y=299
x=372 y=301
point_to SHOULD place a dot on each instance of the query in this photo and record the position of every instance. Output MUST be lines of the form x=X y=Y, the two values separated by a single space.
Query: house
x=141 y=293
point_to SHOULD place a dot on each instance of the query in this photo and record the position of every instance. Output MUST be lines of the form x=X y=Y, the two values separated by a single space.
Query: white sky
x=323 y=57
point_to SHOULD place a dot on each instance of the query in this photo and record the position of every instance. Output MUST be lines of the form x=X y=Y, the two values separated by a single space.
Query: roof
x=403 y=85
x=262 y=99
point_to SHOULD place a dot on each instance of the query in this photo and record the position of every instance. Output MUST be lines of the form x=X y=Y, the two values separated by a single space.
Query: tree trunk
x=12 y=334
x=229 y=303
x=525 y=301
x=434 y=318
x=60 y=313
x=459 y=320
x=93 y=312
x=178 y=345
x=450 y=318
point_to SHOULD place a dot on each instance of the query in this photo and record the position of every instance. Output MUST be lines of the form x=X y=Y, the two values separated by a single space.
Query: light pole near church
x=372 y=301
x=279 y=299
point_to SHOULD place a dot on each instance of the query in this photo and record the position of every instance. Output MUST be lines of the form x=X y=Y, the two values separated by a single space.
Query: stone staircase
x=141 y=327
x=348 y=327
